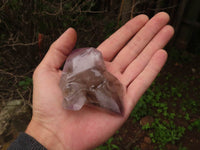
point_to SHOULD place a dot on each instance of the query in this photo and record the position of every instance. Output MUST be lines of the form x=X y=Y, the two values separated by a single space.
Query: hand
x=139 y=58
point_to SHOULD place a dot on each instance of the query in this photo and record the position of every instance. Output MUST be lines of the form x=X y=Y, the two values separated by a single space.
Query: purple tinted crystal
x=85 y=80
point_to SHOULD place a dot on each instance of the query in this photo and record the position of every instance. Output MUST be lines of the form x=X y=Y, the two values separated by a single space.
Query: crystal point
x=85 y=80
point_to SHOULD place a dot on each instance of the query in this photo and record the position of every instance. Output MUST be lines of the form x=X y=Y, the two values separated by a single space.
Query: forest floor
x=166 y=117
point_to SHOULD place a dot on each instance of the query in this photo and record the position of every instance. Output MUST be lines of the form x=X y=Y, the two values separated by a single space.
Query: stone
x=6 y=114
x=145 y=146
x=171 y=147
x=146 y=119
x=85 y=81
x=14 y=118
x=147 y=140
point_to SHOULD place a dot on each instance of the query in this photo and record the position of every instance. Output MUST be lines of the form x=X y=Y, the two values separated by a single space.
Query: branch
x=93 y=12
x=19 y=44
x=2 y=7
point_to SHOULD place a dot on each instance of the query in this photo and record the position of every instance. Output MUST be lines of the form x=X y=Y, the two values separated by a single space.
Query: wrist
x=44 y=136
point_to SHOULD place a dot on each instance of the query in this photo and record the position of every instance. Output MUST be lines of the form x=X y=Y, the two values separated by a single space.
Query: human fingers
x=140 y=40
x=144 y=79
x=136 y=66
x=111 y=46
x=60 y=49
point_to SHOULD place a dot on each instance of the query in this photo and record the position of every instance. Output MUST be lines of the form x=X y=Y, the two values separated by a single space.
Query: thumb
x=59 y=50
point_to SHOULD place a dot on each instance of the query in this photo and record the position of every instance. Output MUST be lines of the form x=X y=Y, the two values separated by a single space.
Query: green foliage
x=195 y=125
x=146 y=126
x=191 y=105
x=187 y=116
x=164 y=133
x=155 y=103
x=175 y=92
x=142 y=108
x=136 y=148
x=171 y=116
x=108 y=145
x=27 y=82
x=182 y=148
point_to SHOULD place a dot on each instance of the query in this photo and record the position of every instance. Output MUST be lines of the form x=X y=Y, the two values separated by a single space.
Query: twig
x=60 y=11
x=165 y=8
x=61 y=7
x=17 y=76
x=19 y=44
x=12 y=75
x=192 y=23
x=94 y=12
x=29 y=97
x=2 y=7
x=8 y=73
x=133 y=8
x=120 y=12
x=19 y=93
x=31 y=71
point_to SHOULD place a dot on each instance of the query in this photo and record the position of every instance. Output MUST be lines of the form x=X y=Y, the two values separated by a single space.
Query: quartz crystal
x=85 y=80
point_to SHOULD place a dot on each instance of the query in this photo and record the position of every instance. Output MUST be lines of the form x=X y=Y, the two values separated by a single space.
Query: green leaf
x=115 y=146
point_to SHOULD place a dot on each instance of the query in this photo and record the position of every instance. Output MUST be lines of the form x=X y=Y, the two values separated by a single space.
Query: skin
x=133 y=54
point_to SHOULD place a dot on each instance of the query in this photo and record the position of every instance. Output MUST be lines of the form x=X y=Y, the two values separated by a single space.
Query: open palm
x=133 y=54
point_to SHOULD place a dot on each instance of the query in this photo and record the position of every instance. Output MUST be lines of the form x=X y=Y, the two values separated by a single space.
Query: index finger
x=111 y=46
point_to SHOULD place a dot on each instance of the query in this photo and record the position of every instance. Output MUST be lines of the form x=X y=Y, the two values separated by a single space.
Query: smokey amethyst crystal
x=85 y=80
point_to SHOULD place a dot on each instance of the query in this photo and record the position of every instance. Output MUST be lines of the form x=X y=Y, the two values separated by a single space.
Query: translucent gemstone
x=85 y=80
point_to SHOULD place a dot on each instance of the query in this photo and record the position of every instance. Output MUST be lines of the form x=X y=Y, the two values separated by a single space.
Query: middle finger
x=141 y=39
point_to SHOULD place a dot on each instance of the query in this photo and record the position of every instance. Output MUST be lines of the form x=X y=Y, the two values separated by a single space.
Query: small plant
x=195 y=125
x=164 y=133
x=171 y=115
x=146 y=126
x=27 y=82
x=142 y=107
x=136 y=148
x=140 y=110
x=109 y=145
x=187 y=116
x=175 y=92
x=182 y=148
